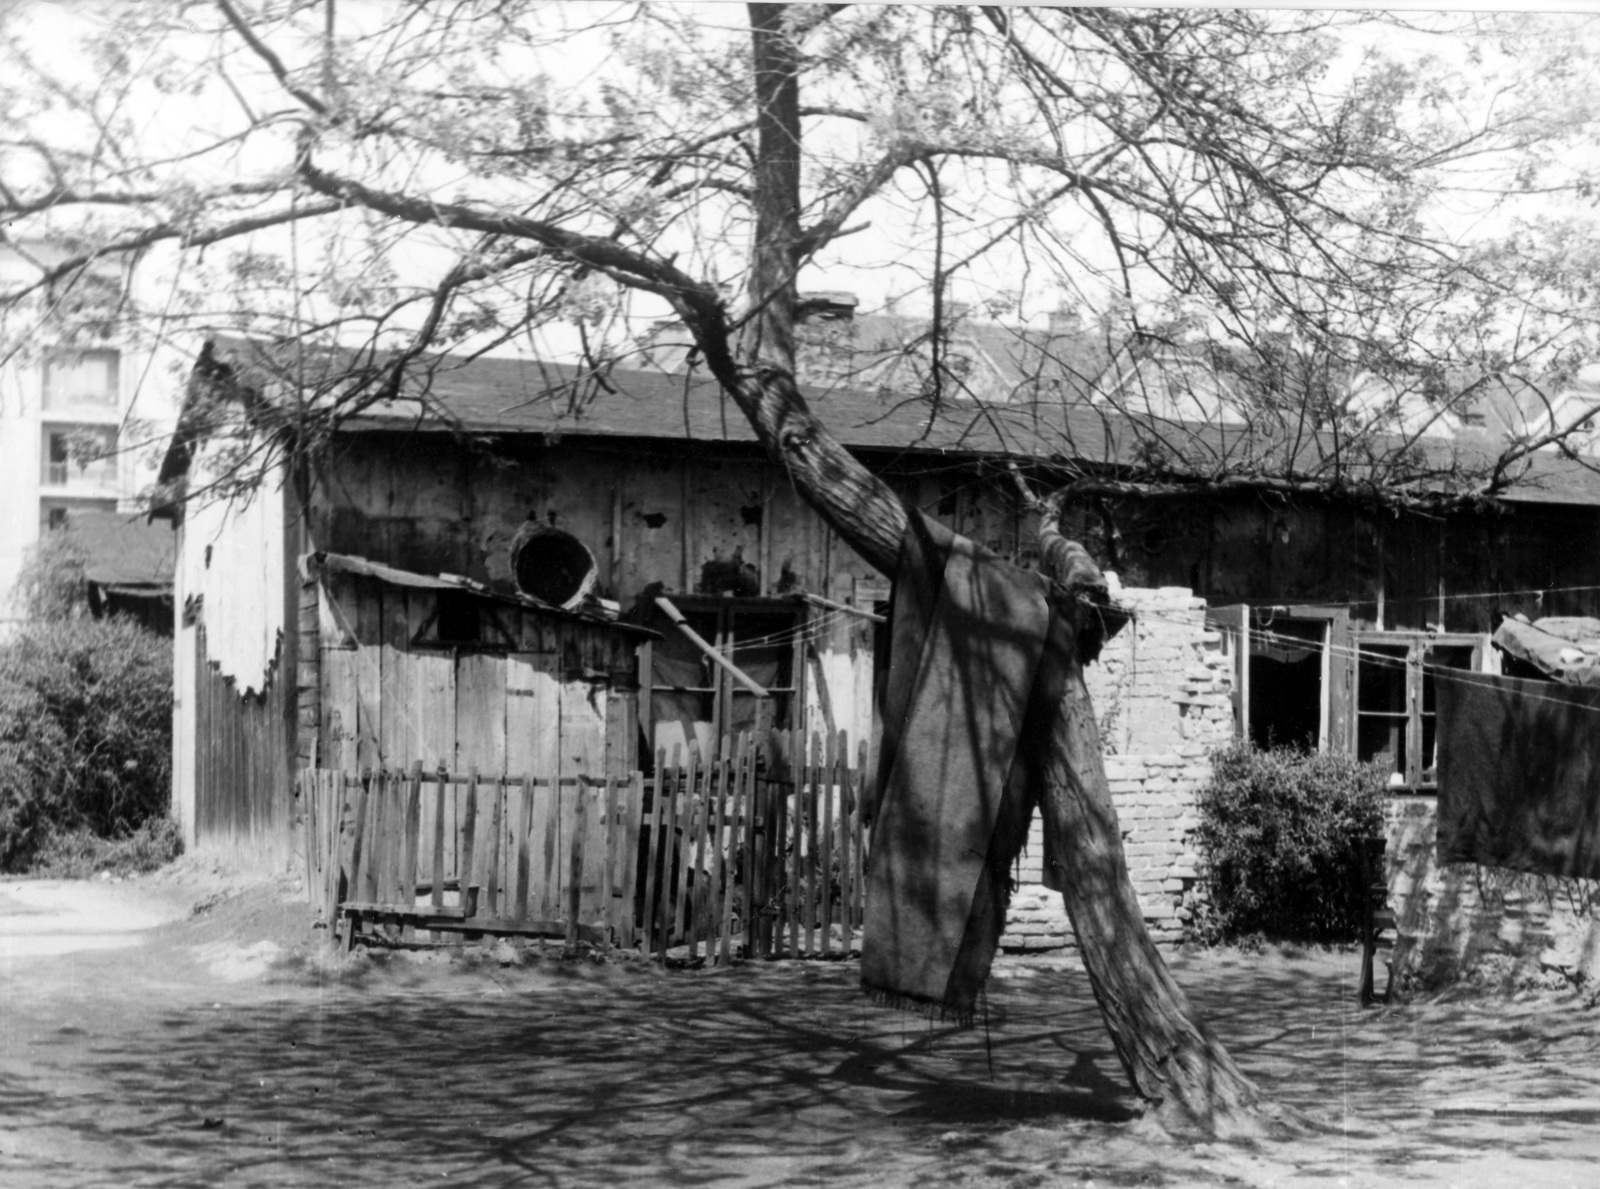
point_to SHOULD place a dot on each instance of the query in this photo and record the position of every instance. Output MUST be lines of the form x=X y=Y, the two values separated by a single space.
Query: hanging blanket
x=971 y=637
x=1519 y=774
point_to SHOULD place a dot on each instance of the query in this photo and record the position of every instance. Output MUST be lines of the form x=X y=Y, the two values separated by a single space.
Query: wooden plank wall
x=559 y=699
x=243 y=783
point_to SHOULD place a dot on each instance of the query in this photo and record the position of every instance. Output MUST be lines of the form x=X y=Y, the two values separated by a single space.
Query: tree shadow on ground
x=769 y=1074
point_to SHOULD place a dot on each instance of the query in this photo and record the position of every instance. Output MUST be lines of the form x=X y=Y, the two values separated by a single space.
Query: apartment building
x=80 y=404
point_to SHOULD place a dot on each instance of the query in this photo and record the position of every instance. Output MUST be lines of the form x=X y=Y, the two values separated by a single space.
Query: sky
x=170 y=123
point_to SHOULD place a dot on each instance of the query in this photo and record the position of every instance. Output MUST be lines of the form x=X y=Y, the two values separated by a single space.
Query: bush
x=79 y=854
x=85 y=732
x=1279 y=837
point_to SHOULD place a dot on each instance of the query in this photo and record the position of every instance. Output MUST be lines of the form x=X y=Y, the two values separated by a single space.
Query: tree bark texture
x=1171 y=1057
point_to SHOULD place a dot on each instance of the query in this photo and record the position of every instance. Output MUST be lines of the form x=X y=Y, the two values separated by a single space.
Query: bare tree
x=1181 y=177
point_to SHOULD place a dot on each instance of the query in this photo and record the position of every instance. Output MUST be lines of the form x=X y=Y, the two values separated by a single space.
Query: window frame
x=1419 y=646
x=109 y=405
x=65 y=474
x=725 y=688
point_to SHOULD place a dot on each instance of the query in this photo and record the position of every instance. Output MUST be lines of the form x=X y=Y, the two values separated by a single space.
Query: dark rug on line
x=1519 y=774
x=974 y=642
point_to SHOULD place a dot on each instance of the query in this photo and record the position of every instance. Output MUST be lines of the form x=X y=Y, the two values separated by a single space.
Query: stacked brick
x=1161 y=690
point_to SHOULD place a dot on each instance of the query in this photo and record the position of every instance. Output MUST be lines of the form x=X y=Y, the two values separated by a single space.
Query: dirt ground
x=142 y=1043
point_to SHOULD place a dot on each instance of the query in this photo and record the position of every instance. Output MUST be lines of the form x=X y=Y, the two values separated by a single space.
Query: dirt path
x=215 y=1053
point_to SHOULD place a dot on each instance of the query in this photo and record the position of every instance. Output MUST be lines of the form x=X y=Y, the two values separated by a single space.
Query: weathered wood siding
x=233 y=747
x=536 y=694
x=662 y=513
x=1401 y=570
x=243 y=780
x=648 y=515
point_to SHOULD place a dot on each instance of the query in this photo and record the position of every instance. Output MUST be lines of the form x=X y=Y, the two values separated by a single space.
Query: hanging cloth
x=971 y=637
x=1519 y=774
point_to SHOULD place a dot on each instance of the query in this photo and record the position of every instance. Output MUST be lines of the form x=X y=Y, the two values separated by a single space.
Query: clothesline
x=1437 y=672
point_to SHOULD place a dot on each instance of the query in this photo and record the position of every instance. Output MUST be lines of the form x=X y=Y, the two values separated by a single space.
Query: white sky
x=172 y=124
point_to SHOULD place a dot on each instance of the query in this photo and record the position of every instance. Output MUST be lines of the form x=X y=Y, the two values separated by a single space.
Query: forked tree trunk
x=1170 y=1055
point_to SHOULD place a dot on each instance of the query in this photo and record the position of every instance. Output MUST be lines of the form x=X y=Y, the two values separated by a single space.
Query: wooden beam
x=716 y=657
x=833 y=605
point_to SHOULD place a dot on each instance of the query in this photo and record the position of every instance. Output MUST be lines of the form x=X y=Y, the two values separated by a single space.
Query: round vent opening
x=552 y=566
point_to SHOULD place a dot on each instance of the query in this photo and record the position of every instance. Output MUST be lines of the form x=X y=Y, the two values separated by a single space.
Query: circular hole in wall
x=552 y=566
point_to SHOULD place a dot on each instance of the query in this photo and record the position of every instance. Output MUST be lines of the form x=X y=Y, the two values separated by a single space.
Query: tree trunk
x=1171 y=1057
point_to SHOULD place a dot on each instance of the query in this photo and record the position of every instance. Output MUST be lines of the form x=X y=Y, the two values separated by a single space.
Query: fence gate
x=757 y=851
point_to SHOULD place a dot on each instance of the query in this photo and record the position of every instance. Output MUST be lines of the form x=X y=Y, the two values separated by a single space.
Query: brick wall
x=1463 y=922
x=1161 y=691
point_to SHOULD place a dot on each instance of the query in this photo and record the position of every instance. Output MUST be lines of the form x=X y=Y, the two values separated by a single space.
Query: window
x=82 y=379
x=1396 y=717
x=79 y=456
x=1289 y=689
x=692 y=698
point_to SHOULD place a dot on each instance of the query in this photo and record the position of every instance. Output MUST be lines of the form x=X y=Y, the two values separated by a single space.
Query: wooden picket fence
x=756 y=851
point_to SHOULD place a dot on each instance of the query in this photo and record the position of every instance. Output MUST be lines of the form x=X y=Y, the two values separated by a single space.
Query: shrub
x=85 y=732
x=79 y=854
x=1279 y=836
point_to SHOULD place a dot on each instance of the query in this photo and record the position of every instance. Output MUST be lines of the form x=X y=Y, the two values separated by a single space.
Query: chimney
x=1064 y=320
x=826 y=306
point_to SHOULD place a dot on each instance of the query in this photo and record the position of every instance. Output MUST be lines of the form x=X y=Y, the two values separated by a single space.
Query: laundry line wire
x=1376 y=660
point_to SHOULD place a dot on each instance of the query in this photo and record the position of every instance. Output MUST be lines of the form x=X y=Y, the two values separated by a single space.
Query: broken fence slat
x=680 y=887
x=410 y=837
x=469 y=842
x=669 y=852
x=608 y=875
x=519 y=902
x=574 y=903
x=497 y=844
x=825 y=856
x=550 y=885
x=440 y=790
